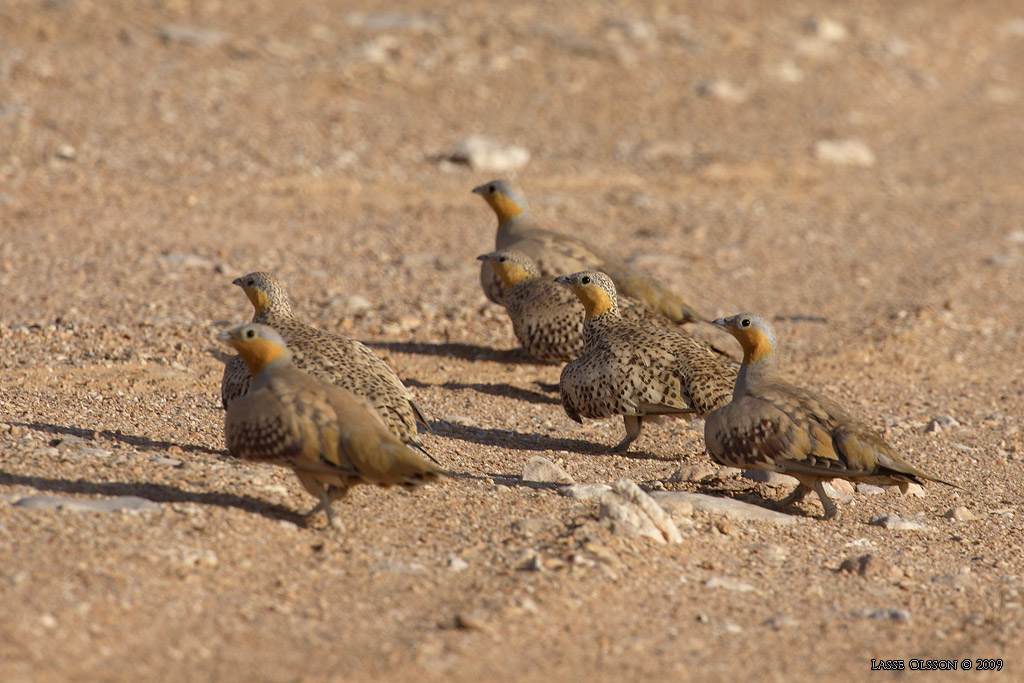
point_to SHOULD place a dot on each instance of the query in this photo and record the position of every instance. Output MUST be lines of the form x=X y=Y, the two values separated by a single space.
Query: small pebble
x=960 y=513
x=890 y=520
x=457 y=564
x=770 y=478
x=484 y=154
x=729 y=584
x=900 y=615
x=868 y=566
x=542 y=470
x=584 y=491
x=116 y=504
x=849 y=152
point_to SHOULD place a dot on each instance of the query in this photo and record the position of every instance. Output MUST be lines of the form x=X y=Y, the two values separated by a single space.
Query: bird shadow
x=500 y=389
x=158 y=493
x=458 y=350
x=532 y=441
x=140 y=442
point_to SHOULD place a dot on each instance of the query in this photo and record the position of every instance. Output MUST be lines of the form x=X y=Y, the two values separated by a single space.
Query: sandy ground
x=151 y=152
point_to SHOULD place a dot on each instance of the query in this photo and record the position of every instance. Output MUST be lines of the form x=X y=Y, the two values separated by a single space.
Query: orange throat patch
x=595 y=300
x=756 y=346
x=509 y=273
x=258 y=353
x=258 y=298
x=504 y=207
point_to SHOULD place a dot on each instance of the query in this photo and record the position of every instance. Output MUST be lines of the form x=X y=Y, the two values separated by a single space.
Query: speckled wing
x=235 y=380
x=753 y=433
x=705 y=377
x=351 y=365
x=260 y=427
x=547 y=319
x=555 y=254
x=320 y=431
x=622 y=373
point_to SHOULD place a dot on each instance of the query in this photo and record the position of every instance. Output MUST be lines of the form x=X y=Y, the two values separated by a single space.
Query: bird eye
x=585 y=279
x=745 y=322
x=492 y=189
x=501 y=259
x=249 y=334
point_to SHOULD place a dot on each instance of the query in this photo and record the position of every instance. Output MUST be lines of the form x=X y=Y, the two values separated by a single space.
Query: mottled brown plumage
x=636 y=371
x=773 y=425
x=547 y=318
x=327 y=435
x=555 y=253
x=331 y=357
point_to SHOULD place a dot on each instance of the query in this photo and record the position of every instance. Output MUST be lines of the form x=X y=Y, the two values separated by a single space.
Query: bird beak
x=562 y=279
x=224 y=336
x=719 y=321
x=237 y=281
x=482 y=257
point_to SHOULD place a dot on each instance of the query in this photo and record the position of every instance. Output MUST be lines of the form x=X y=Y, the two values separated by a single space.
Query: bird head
x=511 y=265
x=258 y=345
x=754 y=334
x=506 y=201
x=265 y=292
x=595 y=290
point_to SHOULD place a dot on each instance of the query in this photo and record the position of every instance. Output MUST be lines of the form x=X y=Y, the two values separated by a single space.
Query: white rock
x=848 y=152
x=632 y=512
x=901 y=615
x=960 y=514
x=732 y=509
x=890 y=520
x=629 y=491
x=190 y=35
x=937 y=424
x=584 y=491
x=834 y=493
x=115 y=504
x=869 y=489
x=728 y=583
x=457 y=564
x=915 y=490
x=770 y=478
x=691 y=473
x=542 y=470
x=826 y=29
x=484 y=154
x=723 y=90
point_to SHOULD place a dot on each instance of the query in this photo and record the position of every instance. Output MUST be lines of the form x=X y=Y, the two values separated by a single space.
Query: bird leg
x=633 y=425
x=327 y=496
x=799 y=493
x=831 y=511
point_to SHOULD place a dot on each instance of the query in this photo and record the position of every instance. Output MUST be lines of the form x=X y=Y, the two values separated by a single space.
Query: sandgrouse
x=331 y=357
x=776 y=426
x=555 y=253
x=326 y=434
x=637 y=371
x=547 y=318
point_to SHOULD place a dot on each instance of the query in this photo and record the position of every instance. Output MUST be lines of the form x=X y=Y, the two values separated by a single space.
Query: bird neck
x=266 y=307
x=504 y=208
x=260 y=353
x=509 y=273
x=596 y=302
x=752 y=372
